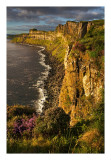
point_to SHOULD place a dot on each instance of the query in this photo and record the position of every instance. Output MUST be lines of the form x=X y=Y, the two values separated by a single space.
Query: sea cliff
x=73 y=118
x=80 y=47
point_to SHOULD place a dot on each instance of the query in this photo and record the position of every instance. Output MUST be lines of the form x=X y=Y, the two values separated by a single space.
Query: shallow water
x=26 y=72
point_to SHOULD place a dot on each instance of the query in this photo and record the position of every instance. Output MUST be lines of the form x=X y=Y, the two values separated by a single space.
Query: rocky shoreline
x=54 y=81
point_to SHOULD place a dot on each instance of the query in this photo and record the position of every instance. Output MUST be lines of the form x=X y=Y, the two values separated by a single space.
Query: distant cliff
x=80 y=46
x=33 y=33
x=74 y=30
x=77 y=30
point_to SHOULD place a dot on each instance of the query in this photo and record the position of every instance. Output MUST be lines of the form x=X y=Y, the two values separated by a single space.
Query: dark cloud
x=52 y=15
x=36 y=13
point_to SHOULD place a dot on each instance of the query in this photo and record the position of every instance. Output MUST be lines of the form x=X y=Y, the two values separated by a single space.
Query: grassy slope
x=57 y=47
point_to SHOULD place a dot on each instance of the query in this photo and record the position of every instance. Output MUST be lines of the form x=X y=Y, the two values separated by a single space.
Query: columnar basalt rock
x=78 y=30
x=80 y=83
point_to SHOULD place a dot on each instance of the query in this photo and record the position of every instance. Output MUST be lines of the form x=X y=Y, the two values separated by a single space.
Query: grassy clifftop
x=57 y=42
x=57 y=47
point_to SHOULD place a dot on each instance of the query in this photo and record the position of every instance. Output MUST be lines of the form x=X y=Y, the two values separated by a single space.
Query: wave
x=39 y=104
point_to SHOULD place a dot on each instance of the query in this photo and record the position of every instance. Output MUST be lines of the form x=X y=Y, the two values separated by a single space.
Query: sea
x=26 y=73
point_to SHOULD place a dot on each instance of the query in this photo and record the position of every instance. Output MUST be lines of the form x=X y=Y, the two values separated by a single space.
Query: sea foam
x=39 y=104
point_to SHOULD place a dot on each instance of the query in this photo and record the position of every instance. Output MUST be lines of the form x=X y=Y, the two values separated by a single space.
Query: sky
x=21 y=19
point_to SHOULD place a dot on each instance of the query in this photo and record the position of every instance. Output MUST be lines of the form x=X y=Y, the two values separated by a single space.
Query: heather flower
x=23 y=126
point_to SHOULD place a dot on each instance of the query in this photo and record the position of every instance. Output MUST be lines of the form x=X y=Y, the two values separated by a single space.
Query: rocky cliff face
x=35 y=34
x=81 y=88
x=77 y=30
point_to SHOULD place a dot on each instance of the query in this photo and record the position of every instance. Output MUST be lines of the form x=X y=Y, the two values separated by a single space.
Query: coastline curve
x=39 y=104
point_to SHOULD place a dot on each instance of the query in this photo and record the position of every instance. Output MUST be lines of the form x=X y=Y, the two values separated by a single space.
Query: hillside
x=79 y=46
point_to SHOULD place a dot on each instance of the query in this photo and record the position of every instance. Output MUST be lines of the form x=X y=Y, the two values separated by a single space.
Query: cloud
x=36 y=13
x=52 y=16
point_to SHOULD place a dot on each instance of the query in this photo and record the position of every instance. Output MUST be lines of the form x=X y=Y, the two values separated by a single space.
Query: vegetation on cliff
x=51 y=133
x=57 y=47
x=77 y=125
x=84 y=74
